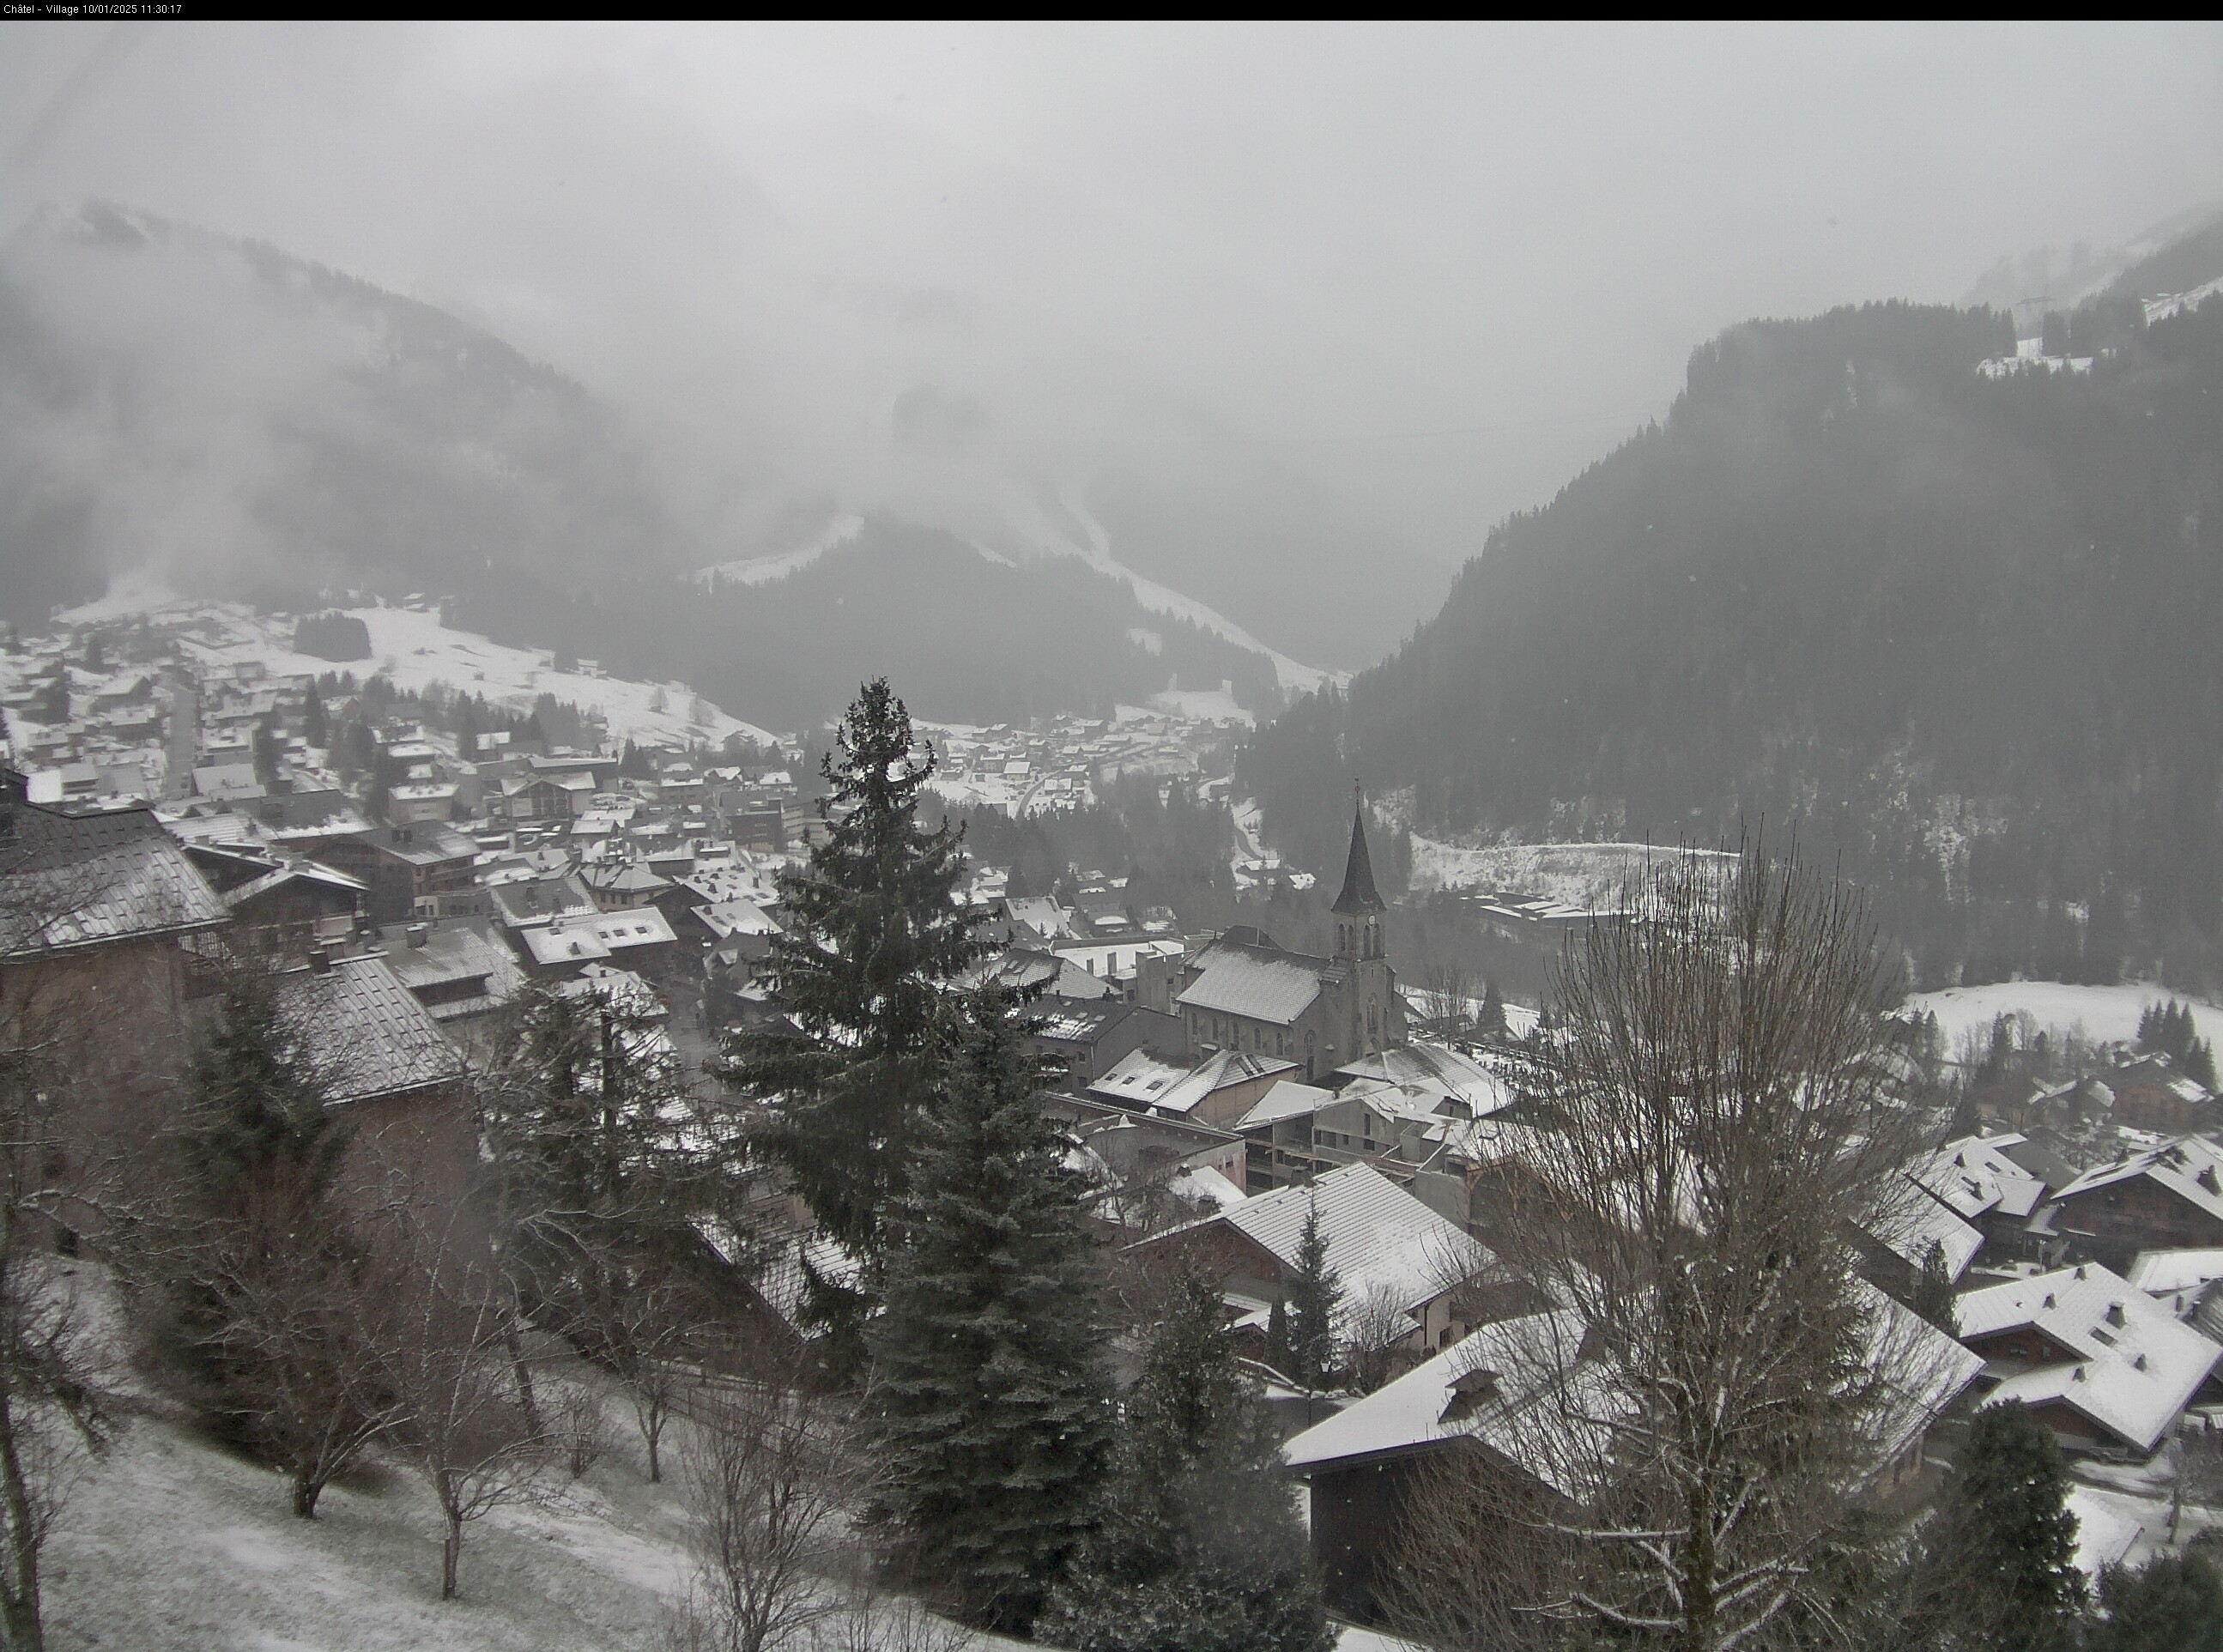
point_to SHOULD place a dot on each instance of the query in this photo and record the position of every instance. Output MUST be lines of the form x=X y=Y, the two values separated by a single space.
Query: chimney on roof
x=320 y=960
x=415 y=933
x=2114 y=1313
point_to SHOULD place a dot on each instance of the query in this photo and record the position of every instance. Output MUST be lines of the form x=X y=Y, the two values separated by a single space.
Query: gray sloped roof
x=69 y=882
x=364 y=1033
x=1241 y=983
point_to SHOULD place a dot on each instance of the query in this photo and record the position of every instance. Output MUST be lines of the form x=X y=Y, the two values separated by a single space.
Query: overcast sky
x=1440 y=269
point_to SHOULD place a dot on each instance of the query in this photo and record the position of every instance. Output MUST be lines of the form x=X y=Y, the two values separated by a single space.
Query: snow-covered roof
x=365 y=1033
x=1907 y=1222
x=1139 y=1078
x=1202 y=1187
x=2128 y=1365
x=1974 y=1176
x=1287 y=1100
x=1381 y=1242
x=2163 y=1273
x=2191 y=1167
x=1241 y=983
x=85 y=880
x=726 y=918
x=1425 y=1066
x=1522 y=1387
x=1500 y=1370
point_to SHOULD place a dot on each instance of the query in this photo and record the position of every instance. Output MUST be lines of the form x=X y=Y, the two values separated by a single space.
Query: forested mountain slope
x=1960 y=629
x=251 y=425
x=248 y=424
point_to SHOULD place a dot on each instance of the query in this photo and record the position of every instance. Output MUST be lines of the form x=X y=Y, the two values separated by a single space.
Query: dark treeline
x=1956 y=630
x=974 y=641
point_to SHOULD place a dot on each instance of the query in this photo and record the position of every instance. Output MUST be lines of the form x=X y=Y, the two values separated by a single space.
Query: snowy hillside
x=1588 y=877
x=413 y=649
x=2106 y=1014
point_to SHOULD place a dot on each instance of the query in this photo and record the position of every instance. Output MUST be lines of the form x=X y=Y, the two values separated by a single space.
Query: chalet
x=292 y=905
x=2107 y=1369
x=523 y=904
x=1976 y=1178
x=2153 y=1094
x=639 y=940
x=409 y=870
x=617 y=885
x=96 y=914
x=454 y=968
x=1519 y=1399
x=2189 y=1282
x=1298 y=1132
x=1904 y=1231
x=1391 y=1252
x=1216 y=1090
x=1242 y=992
x=1164 y=1170
x=1087 y=1037
x=1024 y=968
x=2164 y=1199
x=541 y=798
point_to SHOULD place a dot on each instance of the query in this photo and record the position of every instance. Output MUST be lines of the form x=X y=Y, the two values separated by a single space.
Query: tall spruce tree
x=2173 y=1603
x=599 y=1163
x=1933 y=1291
x=988 y=1363
x=1198 y=1548
x=873 y=937
x=1999 y=1567
x=1300 y=1336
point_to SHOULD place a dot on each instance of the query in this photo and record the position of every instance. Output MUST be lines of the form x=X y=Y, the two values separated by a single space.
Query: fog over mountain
x=1270 y=313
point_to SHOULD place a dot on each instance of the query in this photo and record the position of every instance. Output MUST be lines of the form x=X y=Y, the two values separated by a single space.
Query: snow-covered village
x=1145 y=837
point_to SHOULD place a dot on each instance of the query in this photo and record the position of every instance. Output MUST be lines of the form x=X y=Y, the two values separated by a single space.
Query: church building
x=1242 y=992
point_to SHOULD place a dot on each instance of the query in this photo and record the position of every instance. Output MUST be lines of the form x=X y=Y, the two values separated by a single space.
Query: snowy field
x=1202 y=706
x=169 y=1545
x=1586 y=876
x=414 y=649
x=2105 y=1013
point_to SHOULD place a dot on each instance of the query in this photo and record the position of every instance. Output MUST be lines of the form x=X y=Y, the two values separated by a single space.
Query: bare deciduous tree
x=1722 y=1116
x=772 y=1483
x=445 y=1345
x=52 y=1406
x=301 y=1373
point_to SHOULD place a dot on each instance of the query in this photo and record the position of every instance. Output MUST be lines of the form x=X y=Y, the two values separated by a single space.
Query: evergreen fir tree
x=987 y=1362
x=1200 y=1548
x=2001 y=1567
x=873 y=937
x=2173 y=1603
x=2199 y=1063
x=314 y=727
x=1492 y=1023
x=1313 y=1296
x=1933 y=1292
x=256 y=1101
x=597 y=1182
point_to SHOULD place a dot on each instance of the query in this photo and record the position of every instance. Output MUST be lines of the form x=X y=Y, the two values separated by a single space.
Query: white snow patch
x=1146 y=639
x=413 y=648
x=762 y=571
x=1587 y=876
x=2162 y=308
x=1202 y=705
x=2107 y=1015
x=1031 y=523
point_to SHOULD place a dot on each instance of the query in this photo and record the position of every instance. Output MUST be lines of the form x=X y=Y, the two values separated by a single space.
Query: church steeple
x=1358 y=909
x=1358 y=894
